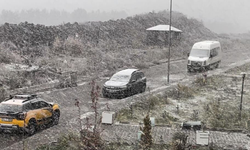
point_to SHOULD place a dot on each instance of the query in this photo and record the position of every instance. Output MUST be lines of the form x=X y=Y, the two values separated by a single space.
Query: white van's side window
x=214 y=52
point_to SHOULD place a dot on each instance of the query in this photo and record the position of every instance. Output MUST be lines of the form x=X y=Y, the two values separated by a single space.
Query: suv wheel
x=104 y=95
x=32 y=127
x=129 y=92
x=143 y=88
x=56 y=116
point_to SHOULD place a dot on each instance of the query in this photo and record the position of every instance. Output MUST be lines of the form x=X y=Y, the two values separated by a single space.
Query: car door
x=36 y=111
x=46 y=109
x=140 y=80
x=133 y=83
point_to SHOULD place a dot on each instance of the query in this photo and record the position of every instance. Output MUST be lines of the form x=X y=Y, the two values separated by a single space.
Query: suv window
x=39 y=104
x=27 y=107
x=35 y=105
x=43 y=104
x=133 y=77
x=140 y=75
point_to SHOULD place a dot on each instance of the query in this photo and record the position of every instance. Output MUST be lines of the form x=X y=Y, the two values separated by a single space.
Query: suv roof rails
x=25 y=97
x=32 y=96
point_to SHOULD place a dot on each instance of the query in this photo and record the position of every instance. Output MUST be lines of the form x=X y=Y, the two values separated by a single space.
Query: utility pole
x=169 y=44
x=242 y=91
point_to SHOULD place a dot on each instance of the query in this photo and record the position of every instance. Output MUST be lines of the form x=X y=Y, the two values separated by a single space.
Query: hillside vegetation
x=121 y=32
x=93 y=48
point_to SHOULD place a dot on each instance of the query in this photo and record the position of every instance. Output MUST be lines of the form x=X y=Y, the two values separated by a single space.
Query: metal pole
x=242 y=91
x=169 y=44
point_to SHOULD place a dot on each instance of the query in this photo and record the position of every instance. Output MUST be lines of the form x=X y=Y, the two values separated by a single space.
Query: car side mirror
x=132 y=81
x=210 y=56
x=188 y=54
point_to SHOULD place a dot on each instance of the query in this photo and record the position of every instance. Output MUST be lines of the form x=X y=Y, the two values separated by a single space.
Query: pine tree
x=146 y=137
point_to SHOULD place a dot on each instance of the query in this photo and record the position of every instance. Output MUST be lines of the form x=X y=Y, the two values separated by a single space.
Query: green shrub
x=179 y=141
x=123 y=115
x=73 y=47
x=224 y=116
x=166 y=119
x=146 y=141
x=153 y=101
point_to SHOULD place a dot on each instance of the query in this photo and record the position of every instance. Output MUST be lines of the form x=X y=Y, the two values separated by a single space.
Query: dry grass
x=151 y=105
x=181 y=92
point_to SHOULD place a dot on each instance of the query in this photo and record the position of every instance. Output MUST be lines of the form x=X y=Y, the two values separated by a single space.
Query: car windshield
x=10 y=108
x=199 y=53
x=120 y=78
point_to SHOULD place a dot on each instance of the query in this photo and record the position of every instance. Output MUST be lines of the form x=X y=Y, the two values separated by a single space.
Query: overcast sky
x=232 y=11
x=130 y=6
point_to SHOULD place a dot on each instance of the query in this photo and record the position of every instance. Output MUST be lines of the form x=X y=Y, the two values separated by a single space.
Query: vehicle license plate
x=112 y=91
x=6 y=119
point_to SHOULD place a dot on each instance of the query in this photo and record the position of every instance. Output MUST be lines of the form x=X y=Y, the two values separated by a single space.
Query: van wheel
x=209 y=67
x=217 y=65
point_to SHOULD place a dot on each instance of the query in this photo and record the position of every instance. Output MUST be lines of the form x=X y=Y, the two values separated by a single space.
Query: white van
x=204 y=55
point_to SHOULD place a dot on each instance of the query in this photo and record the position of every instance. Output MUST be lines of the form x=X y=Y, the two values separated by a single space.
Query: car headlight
x=123 y=87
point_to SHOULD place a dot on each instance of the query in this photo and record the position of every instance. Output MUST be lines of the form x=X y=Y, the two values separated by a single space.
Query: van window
x=214 y=52
x=199 y=53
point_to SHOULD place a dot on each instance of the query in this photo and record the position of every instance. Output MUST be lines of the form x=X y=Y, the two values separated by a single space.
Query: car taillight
x=22 y=116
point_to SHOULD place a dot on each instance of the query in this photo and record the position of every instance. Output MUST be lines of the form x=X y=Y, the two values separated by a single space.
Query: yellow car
x=26 y=113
